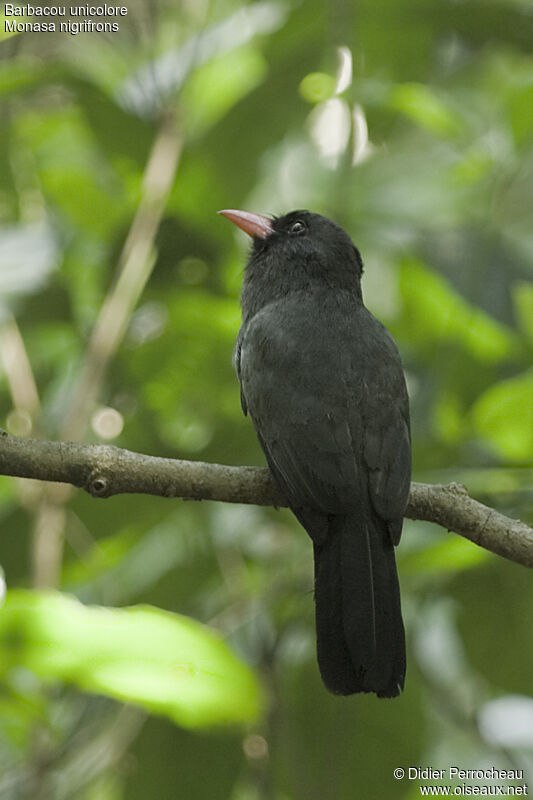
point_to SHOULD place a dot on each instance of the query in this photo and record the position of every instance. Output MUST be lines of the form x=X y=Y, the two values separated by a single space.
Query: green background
x=426 y=158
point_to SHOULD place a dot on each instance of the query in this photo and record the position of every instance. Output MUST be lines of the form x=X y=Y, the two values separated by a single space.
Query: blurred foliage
x=165 y=663
x=417 y=136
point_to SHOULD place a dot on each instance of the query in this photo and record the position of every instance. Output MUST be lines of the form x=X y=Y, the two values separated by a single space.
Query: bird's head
x=299 y=250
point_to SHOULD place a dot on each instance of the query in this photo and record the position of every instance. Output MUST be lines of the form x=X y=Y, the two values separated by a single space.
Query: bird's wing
x=387 y=454
x=387 y=439
x=332 y=419
x=237 y=367
x=306 y=426
x=314 y=462
x=333 y=463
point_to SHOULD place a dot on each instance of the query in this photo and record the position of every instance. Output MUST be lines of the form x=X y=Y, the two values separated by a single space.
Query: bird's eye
x=297 y=227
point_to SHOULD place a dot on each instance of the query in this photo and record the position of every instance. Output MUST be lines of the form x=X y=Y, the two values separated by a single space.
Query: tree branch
x=103 y=470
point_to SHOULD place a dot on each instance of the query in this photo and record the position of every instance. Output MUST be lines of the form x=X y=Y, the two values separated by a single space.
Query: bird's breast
x=300 y=349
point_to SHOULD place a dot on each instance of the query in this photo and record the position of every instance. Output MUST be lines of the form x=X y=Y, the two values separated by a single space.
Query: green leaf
x=497 y=598
x=521 y=113
x=448 y=417
x=503 y=416
x=423 y=106
x=73 y=173
x=166 y=663
x=317 y=87
x=523 y=302
x=215 y=88
x=435 y=312
x=446 y=556
x=4 y=20
x=17 y=77
x=474 y=165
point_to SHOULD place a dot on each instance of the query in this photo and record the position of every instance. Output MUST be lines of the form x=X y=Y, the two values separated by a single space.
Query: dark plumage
x=322 y=380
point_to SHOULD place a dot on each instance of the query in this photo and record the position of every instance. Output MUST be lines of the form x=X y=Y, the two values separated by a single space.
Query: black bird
x=323 y=383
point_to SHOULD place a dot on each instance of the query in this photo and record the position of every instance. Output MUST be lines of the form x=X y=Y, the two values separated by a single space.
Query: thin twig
x=17 y=369
x=134 y=266
x=133 y=270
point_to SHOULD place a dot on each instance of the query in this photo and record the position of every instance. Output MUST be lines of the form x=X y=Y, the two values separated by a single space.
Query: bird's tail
x=360 y=635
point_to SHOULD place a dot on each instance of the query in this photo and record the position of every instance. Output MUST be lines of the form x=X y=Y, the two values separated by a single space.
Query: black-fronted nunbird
x=323 y=383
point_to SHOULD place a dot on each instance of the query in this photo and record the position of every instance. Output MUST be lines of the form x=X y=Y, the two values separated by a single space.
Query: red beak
x=254 y=225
